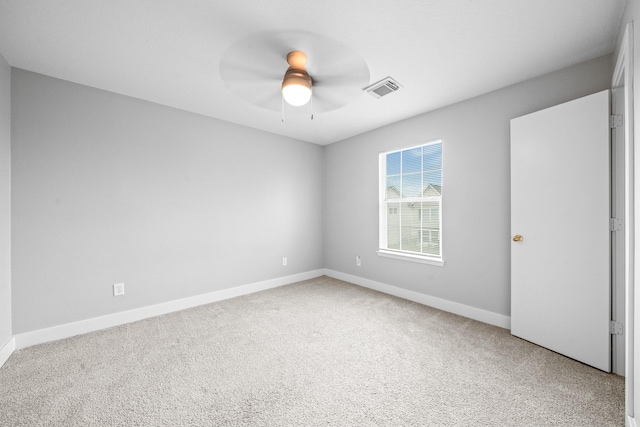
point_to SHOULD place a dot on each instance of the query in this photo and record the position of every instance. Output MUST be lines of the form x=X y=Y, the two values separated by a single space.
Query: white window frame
x=383 y=249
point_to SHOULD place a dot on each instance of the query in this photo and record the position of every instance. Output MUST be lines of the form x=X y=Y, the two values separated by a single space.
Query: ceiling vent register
x=383 y=87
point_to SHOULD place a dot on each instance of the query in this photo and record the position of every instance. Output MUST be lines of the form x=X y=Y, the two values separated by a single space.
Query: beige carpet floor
x=316 y=353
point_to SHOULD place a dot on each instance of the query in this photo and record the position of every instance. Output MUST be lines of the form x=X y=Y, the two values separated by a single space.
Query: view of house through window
x=410 y=205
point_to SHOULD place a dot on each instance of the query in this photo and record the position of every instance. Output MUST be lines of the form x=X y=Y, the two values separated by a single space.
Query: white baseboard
x=7 y=350
x=631 y=422
x=67 y=330
x=439 y=303
x=97 y=323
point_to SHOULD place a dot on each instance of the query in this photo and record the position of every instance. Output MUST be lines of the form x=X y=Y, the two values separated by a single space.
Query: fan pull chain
x=282 y=110
x=311 y=107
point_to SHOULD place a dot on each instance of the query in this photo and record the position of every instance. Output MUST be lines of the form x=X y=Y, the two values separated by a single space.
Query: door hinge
x=615 y=121
x=615 y=328
x=615 y=224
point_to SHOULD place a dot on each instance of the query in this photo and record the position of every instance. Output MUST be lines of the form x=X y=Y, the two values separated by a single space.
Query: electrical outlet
x=358 y=261
x=284 y=261
x=118 y=289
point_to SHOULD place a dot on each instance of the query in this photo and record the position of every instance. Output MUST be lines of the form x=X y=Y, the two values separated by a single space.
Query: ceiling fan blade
x=325 y=64
x=335 y=91
x=247 y=72
x=269 y=100
x=341 y=81
x=330 y=99
x=263 y=93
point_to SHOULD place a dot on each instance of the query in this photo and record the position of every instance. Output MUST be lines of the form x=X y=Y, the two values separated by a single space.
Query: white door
x=560 y=269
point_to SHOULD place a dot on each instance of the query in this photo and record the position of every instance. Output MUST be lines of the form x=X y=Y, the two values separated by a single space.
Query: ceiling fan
x=319 y=69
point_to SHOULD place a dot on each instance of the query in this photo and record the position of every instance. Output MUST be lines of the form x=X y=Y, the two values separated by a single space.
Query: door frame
x=623 y=77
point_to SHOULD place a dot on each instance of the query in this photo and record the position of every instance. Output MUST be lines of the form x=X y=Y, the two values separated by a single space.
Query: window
x=411 y=203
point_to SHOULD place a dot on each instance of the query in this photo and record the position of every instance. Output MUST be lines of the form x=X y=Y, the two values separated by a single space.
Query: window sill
x=410 y=257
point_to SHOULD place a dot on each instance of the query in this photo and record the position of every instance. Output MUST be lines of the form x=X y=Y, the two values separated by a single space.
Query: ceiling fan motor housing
x=297 y=77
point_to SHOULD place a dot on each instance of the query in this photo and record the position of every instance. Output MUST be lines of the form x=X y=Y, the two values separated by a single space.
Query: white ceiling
x=170 y=51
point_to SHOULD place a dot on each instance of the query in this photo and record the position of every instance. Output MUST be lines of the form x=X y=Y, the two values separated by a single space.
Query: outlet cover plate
x=118 y=289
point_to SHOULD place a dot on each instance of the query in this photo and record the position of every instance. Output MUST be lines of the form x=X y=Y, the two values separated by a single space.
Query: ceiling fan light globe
x=296 y=94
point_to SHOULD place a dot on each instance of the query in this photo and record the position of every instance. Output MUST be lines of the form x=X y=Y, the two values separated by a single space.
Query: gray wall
x=110 y=189
x=5 y=201
x=476 y=210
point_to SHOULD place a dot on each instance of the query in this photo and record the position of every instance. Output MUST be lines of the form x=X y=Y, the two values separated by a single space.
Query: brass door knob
x=517 y=238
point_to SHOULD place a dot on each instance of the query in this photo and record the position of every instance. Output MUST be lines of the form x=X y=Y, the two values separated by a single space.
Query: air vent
x=383 y=87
